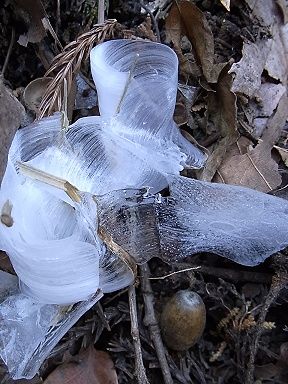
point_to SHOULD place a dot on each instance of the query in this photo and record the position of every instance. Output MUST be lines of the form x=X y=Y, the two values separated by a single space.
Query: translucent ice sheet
x=239 y=223
x=135 y=80
x=30 y=330
x=53 y=249
x=56 y=243
x=55 y=256
x=134 y=142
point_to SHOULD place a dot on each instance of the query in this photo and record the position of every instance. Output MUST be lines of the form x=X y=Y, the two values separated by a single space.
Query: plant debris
x=88 y=367
x=12 y=114
x=231 y=101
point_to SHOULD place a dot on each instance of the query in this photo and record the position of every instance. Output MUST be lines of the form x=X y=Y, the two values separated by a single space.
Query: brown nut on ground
x=183 y=320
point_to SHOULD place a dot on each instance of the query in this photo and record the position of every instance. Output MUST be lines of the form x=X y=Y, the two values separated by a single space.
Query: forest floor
x=232 y=99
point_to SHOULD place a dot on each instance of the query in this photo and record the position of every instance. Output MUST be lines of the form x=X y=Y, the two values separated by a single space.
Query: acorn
x=183 y=320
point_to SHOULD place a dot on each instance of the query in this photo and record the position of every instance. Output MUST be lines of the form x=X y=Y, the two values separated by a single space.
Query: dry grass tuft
x=66 y=65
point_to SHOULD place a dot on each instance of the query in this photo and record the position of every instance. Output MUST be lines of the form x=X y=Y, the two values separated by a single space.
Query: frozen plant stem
x=139 y=366
x=151 y=322
x=47 y=178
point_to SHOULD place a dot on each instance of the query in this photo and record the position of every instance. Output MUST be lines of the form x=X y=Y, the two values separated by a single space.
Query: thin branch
x=101 y=11
x=58 y=17
x=147 y=10
x=139 y=366
x=174 y=273
x=278 y=283
x=8 y=52
x=233 y=274
x=151 y=322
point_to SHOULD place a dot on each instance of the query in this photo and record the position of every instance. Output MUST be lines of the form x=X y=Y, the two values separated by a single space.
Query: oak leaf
x=92 y=367
x=256 y=168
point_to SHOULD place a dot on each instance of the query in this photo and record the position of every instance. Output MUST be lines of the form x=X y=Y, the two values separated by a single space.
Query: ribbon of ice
x=50 y=230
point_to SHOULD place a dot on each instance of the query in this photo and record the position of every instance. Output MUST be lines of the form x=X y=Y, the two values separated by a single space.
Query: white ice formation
x=52 y=239
x=132 y=144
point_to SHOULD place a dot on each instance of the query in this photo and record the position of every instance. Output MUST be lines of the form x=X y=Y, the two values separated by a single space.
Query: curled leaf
x=256 y=168
x=185 y=18
x=90 y=367
x=221 y=115
x=34 y=92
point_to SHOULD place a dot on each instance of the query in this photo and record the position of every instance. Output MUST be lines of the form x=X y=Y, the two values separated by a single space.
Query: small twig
x=279 y=281
x=139 y=366
x=174 y=273
x=151 y=322
x=234 y=275
x=8 y=52
x=58 y=17
x=99 y=310
x=47 y=25
x=147 y=10
x=118 y=294
x=101 y=11
x=88 y=82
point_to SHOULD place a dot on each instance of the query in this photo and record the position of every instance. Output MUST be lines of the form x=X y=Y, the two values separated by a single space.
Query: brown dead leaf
x=277 y=59
x=273 y=373
x=269 y=54
x=271 y=15
x=263 y=10
x=283 y=153
x=256 y=168
x=5 y=264
x=32 y=12
x=249 y=69
x=185 y=18
x=11 y=114
x=93 y=367
x=268 y=371
x=276 y=122
x=145 y=29
x=221 y=110
x=180 y=115
x=269 y=95
x=34 y=92
x=259 y=125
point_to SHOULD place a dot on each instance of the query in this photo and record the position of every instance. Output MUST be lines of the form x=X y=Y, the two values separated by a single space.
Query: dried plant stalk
x=67 y=64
